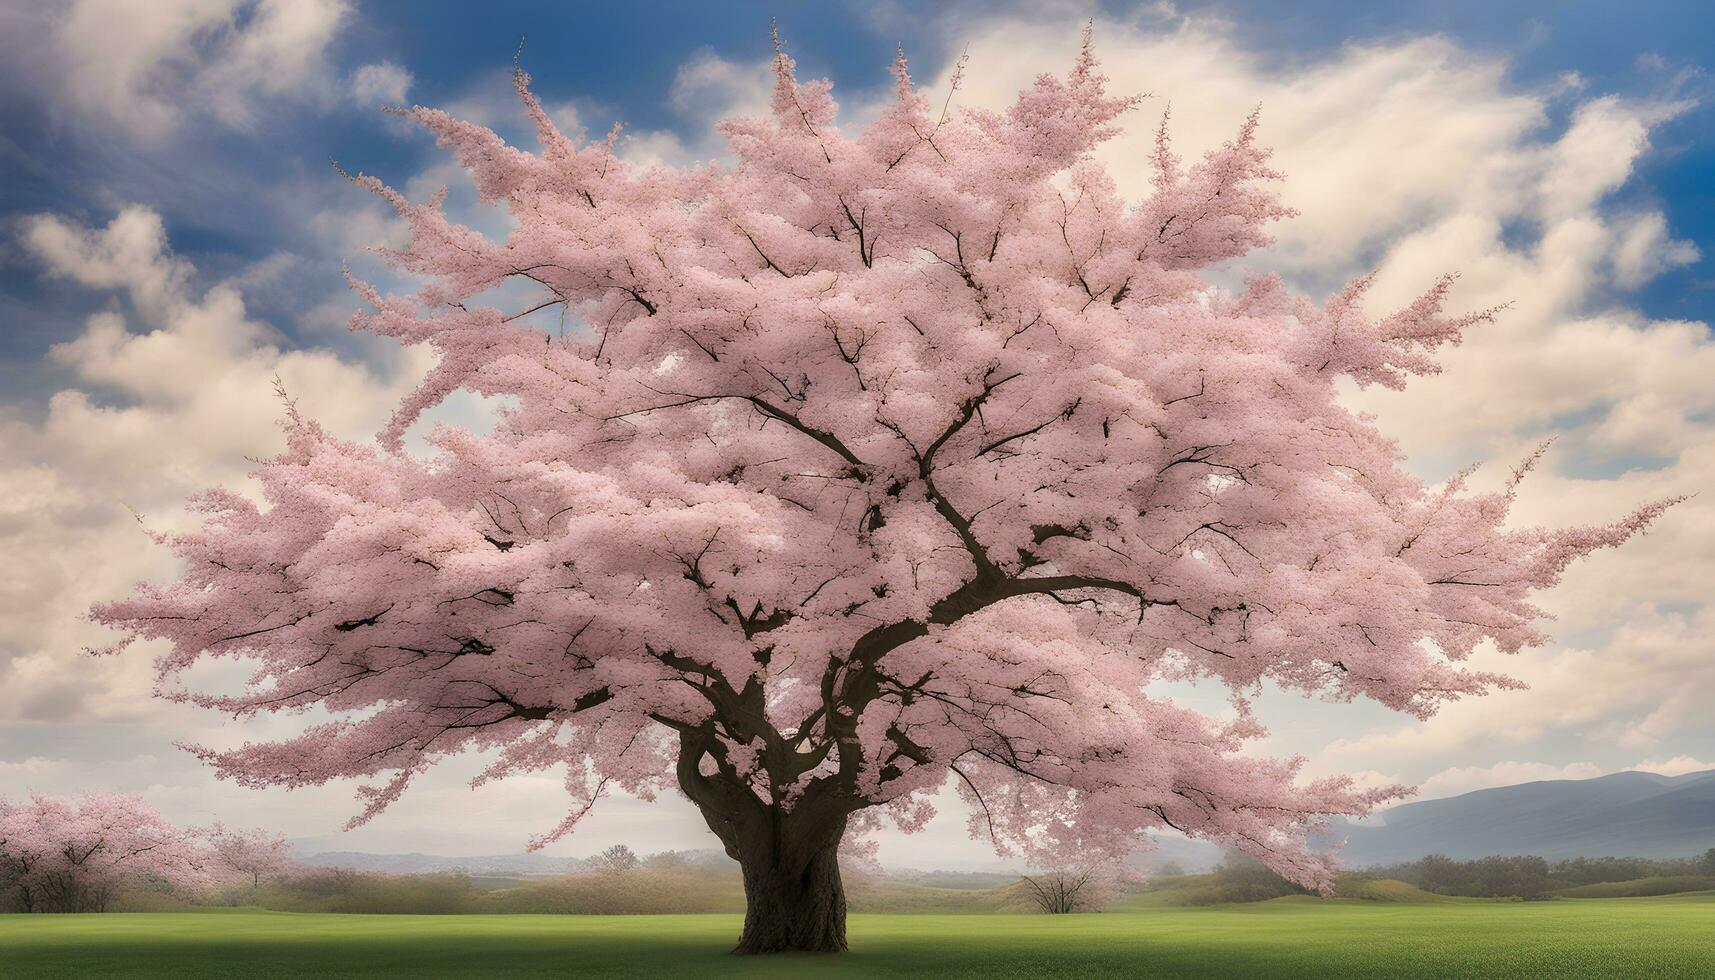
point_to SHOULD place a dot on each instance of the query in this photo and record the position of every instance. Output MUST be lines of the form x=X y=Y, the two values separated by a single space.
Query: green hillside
x=1639 y=887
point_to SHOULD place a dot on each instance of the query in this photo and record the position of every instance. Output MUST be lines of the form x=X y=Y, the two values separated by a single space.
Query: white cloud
x=1649 y=682
x=1595 y=155
x=151 y=415
x=130 y=253
x=1645 y=250
x=143 y=67
x=708 y=87
x=383 y=83
x=1679 y=765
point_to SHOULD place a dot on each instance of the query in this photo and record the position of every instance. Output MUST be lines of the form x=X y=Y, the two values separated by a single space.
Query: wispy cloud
x=144 y=68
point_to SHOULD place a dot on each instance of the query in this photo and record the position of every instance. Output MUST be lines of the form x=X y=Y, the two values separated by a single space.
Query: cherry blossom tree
x=250 y=855
x=615 y=860
x=60 y=854
x=880 y=458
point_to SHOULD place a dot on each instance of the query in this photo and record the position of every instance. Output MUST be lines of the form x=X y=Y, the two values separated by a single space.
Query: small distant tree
x=615 y=860
x=1168 y=869
x=1706 y=863
x=1059 y=891
x=60 y=854
x=250 y=856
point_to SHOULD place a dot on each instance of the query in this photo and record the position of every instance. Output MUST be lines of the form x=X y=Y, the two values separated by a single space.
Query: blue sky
x=171 y=186
x=220 y=190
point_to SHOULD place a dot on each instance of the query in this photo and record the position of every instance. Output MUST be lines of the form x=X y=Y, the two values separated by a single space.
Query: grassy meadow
x=1395 y=932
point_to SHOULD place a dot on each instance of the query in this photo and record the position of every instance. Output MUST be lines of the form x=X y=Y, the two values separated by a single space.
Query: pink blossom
x=880 y=458
x=61 y=854
x=248 y=856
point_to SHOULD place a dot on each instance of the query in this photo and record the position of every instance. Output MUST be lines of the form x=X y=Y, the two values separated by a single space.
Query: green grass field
x=1669 y=936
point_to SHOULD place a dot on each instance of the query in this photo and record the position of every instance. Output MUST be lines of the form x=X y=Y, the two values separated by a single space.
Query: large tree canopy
x=880 y=458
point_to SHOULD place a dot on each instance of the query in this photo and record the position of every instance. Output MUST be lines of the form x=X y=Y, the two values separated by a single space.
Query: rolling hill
x=1631 y=814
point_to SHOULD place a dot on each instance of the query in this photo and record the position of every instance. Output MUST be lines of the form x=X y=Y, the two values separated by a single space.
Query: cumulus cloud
x=169 y=393
x=708 y=86
x=130 y=253
x=142 y=68
x=383 y=83
x=1650 y=679
x=705 y=88
x=1679 y=765
x=1645 y=250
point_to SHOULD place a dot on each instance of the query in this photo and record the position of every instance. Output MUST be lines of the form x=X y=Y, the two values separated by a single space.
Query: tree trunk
x=794 y=901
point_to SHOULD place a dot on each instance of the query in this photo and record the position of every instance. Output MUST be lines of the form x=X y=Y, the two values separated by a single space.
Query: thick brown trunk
x=794 y=901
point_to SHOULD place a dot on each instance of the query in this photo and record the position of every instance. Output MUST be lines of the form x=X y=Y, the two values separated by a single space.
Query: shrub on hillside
x=1239 y=878
x=1059 y=891
x=344 y=890
x=1489 y=877
x=1530 y=877
x=642 y=890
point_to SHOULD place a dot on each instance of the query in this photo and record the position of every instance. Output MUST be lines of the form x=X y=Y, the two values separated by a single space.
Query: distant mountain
x=1629 y=814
